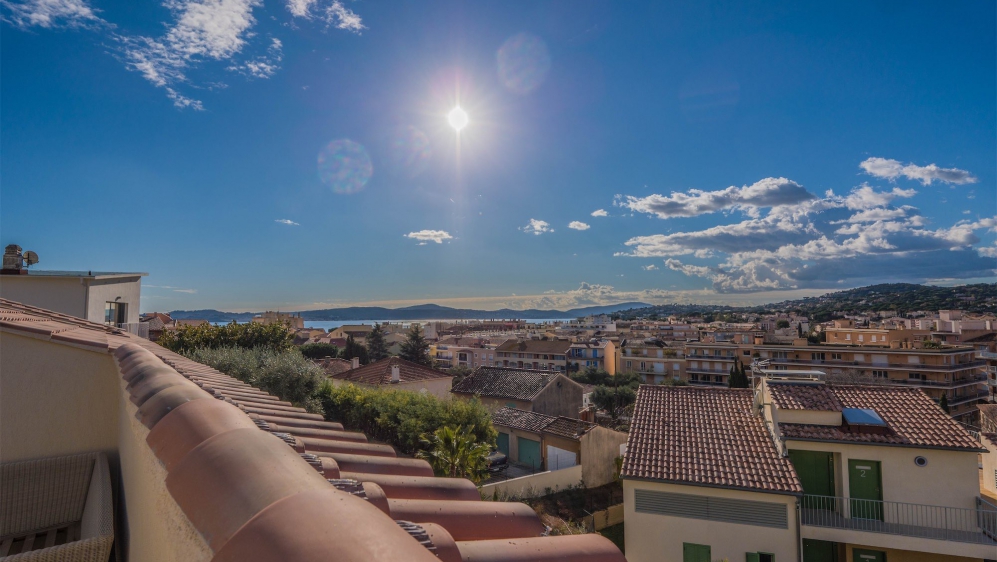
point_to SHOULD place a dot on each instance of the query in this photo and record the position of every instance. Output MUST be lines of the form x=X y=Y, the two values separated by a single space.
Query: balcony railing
x=871 y=365
x=965 y=398
x=140 y=329
x=970 y=525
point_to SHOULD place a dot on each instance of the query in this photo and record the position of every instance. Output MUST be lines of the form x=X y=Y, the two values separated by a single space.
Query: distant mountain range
x=418 y=312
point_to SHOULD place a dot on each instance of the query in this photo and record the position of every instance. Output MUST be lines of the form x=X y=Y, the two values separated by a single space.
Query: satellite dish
x=30 y=258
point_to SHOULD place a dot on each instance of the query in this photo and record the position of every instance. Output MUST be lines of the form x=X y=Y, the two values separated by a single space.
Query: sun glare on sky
x=457 y=118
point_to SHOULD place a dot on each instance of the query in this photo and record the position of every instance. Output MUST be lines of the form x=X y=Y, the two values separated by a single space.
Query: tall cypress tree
x=415 y=348
x=377 y=349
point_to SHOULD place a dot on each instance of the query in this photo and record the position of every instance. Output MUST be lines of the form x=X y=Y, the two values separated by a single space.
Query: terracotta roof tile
x=536 y=346
x=914 y=419
x=796 y=396
x=499 y=382
x=378 y=373
x=536 y=422
x=705 y=437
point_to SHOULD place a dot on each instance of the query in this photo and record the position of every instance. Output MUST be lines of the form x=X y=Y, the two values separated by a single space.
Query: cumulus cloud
x=424 y=236
x=537 y=227
x=600 y=213
x=649 y=267
x=988 y=252
x=590 y=294
x=288 y=222
x=823 y=241
x=334 y=14
x=578 y=225
x=769 y=192
x=50 y=13
x=893 y=169
x=265 y=65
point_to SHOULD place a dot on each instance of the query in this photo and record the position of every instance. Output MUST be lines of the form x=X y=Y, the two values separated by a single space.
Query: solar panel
x=861 y=416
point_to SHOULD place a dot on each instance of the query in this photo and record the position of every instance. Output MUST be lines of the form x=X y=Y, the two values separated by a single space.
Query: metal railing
x=970 y=525
x=873 y=365
x=140 y=329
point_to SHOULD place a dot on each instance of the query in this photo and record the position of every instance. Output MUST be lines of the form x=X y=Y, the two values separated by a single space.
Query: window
x=836 y=356
x=879 y=374
x=747 y=352
x=915 y=376
x=695 y=552
x=817 y=356
x=759 y=557
x=780 y=355
x=114 y=313
x=848 y=337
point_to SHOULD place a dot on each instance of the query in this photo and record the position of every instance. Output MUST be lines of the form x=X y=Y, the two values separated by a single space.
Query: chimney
x=356 y=362
x=396 y=374
x=13 y=262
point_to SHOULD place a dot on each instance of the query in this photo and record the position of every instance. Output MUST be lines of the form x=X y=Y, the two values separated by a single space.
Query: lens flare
x=523 y=63
x=344 y=166
x=410 y=150
x=457 y=118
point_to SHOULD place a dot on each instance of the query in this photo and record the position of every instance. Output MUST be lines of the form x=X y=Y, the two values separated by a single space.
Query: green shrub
x=285 y=374
x=319 y=350
x=186 y=339
x=401 y=417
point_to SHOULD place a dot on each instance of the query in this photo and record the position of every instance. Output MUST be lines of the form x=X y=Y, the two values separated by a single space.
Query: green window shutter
x=695 y=552
x=751 y=557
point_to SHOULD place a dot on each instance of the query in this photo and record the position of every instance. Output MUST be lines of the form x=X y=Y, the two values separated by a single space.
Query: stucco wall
x=535 y=485
x=492 y=404
x=658 y=538
x=152 y=526
x=599 y=449
x=437 y=387
x=103 y=291
x=989 y=471
x=61 y=294
x=894 y=555
x=562 y=397
x=55 y=400
x=951 y=478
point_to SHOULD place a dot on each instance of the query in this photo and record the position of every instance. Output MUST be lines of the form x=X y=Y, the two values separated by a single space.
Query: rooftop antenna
x=30 y=258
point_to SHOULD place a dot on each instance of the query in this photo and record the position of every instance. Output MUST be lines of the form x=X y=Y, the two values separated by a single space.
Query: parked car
x=497 y=461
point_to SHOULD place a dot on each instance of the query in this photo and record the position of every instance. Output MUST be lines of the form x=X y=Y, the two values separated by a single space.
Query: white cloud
x=769 y=192
x=265 y=65
x=649 y=267
x=187 y=291
x=600 y=213
x=865 y=197
x=537 y=227
x=988 y=251
x=589 y=294
x=424 y=236
x=335 y=14
x=892 y=169
x=578 y=225
x=50 y=13
x=288 y=222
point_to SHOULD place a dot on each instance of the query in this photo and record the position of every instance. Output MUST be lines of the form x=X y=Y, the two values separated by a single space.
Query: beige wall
x=61 y=294
x=989 y=471
x=895 y=555
x=439 y=388
x=535 y=485
x=658 y=538
x=562 y=397
x=103 y=291
x=55 y=399
x=599 y=449
x=951 y=478
x=151 y=525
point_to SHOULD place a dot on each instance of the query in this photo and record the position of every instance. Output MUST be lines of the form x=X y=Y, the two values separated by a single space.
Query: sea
x=329 y=325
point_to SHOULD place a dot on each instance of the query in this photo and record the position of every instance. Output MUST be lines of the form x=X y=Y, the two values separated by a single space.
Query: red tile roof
x=559 y=347
x=501 y=382
x=379 y=373
x=536 y=422
x=914 y=419
x=704 y=437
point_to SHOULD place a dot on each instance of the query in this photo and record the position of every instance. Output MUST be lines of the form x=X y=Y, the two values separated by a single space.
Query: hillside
x=901 y=297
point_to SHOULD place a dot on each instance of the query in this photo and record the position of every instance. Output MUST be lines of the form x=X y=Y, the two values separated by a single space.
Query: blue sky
x=296 y=154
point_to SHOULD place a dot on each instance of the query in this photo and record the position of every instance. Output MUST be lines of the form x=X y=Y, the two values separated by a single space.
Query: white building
x=97 y=296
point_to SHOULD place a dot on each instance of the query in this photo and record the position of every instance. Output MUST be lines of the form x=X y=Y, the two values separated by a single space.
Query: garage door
x=503 y=443
x=559 y=458
x=529 y=453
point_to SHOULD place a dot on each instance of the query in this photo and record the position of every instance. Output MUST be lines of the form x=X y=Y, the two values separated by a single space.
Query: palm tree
x=453 y=452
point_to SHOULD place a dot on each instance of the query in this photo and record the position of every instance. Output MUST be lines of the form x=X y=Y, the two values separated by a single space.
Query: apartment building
x=650 y=359
x=593 y=354
x=844 y=332
x=548 y=355
x=802 y=470
x=473 y=353
x=958 y=372
x=295 y=321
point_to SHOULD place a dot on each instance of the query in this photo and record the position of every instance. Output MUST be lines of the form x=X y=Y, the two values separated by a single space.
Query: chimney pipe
x=356 y=362
x=396 y=374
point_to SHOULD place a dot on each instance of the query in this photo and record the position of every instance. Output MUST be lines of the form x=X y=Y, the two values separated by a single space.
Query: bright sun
x=457 y=118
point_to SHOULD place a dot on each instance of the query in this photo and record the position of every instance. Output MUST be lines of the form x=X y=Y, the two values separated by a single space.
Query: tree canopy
x=415 y=348
x=377 y=349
